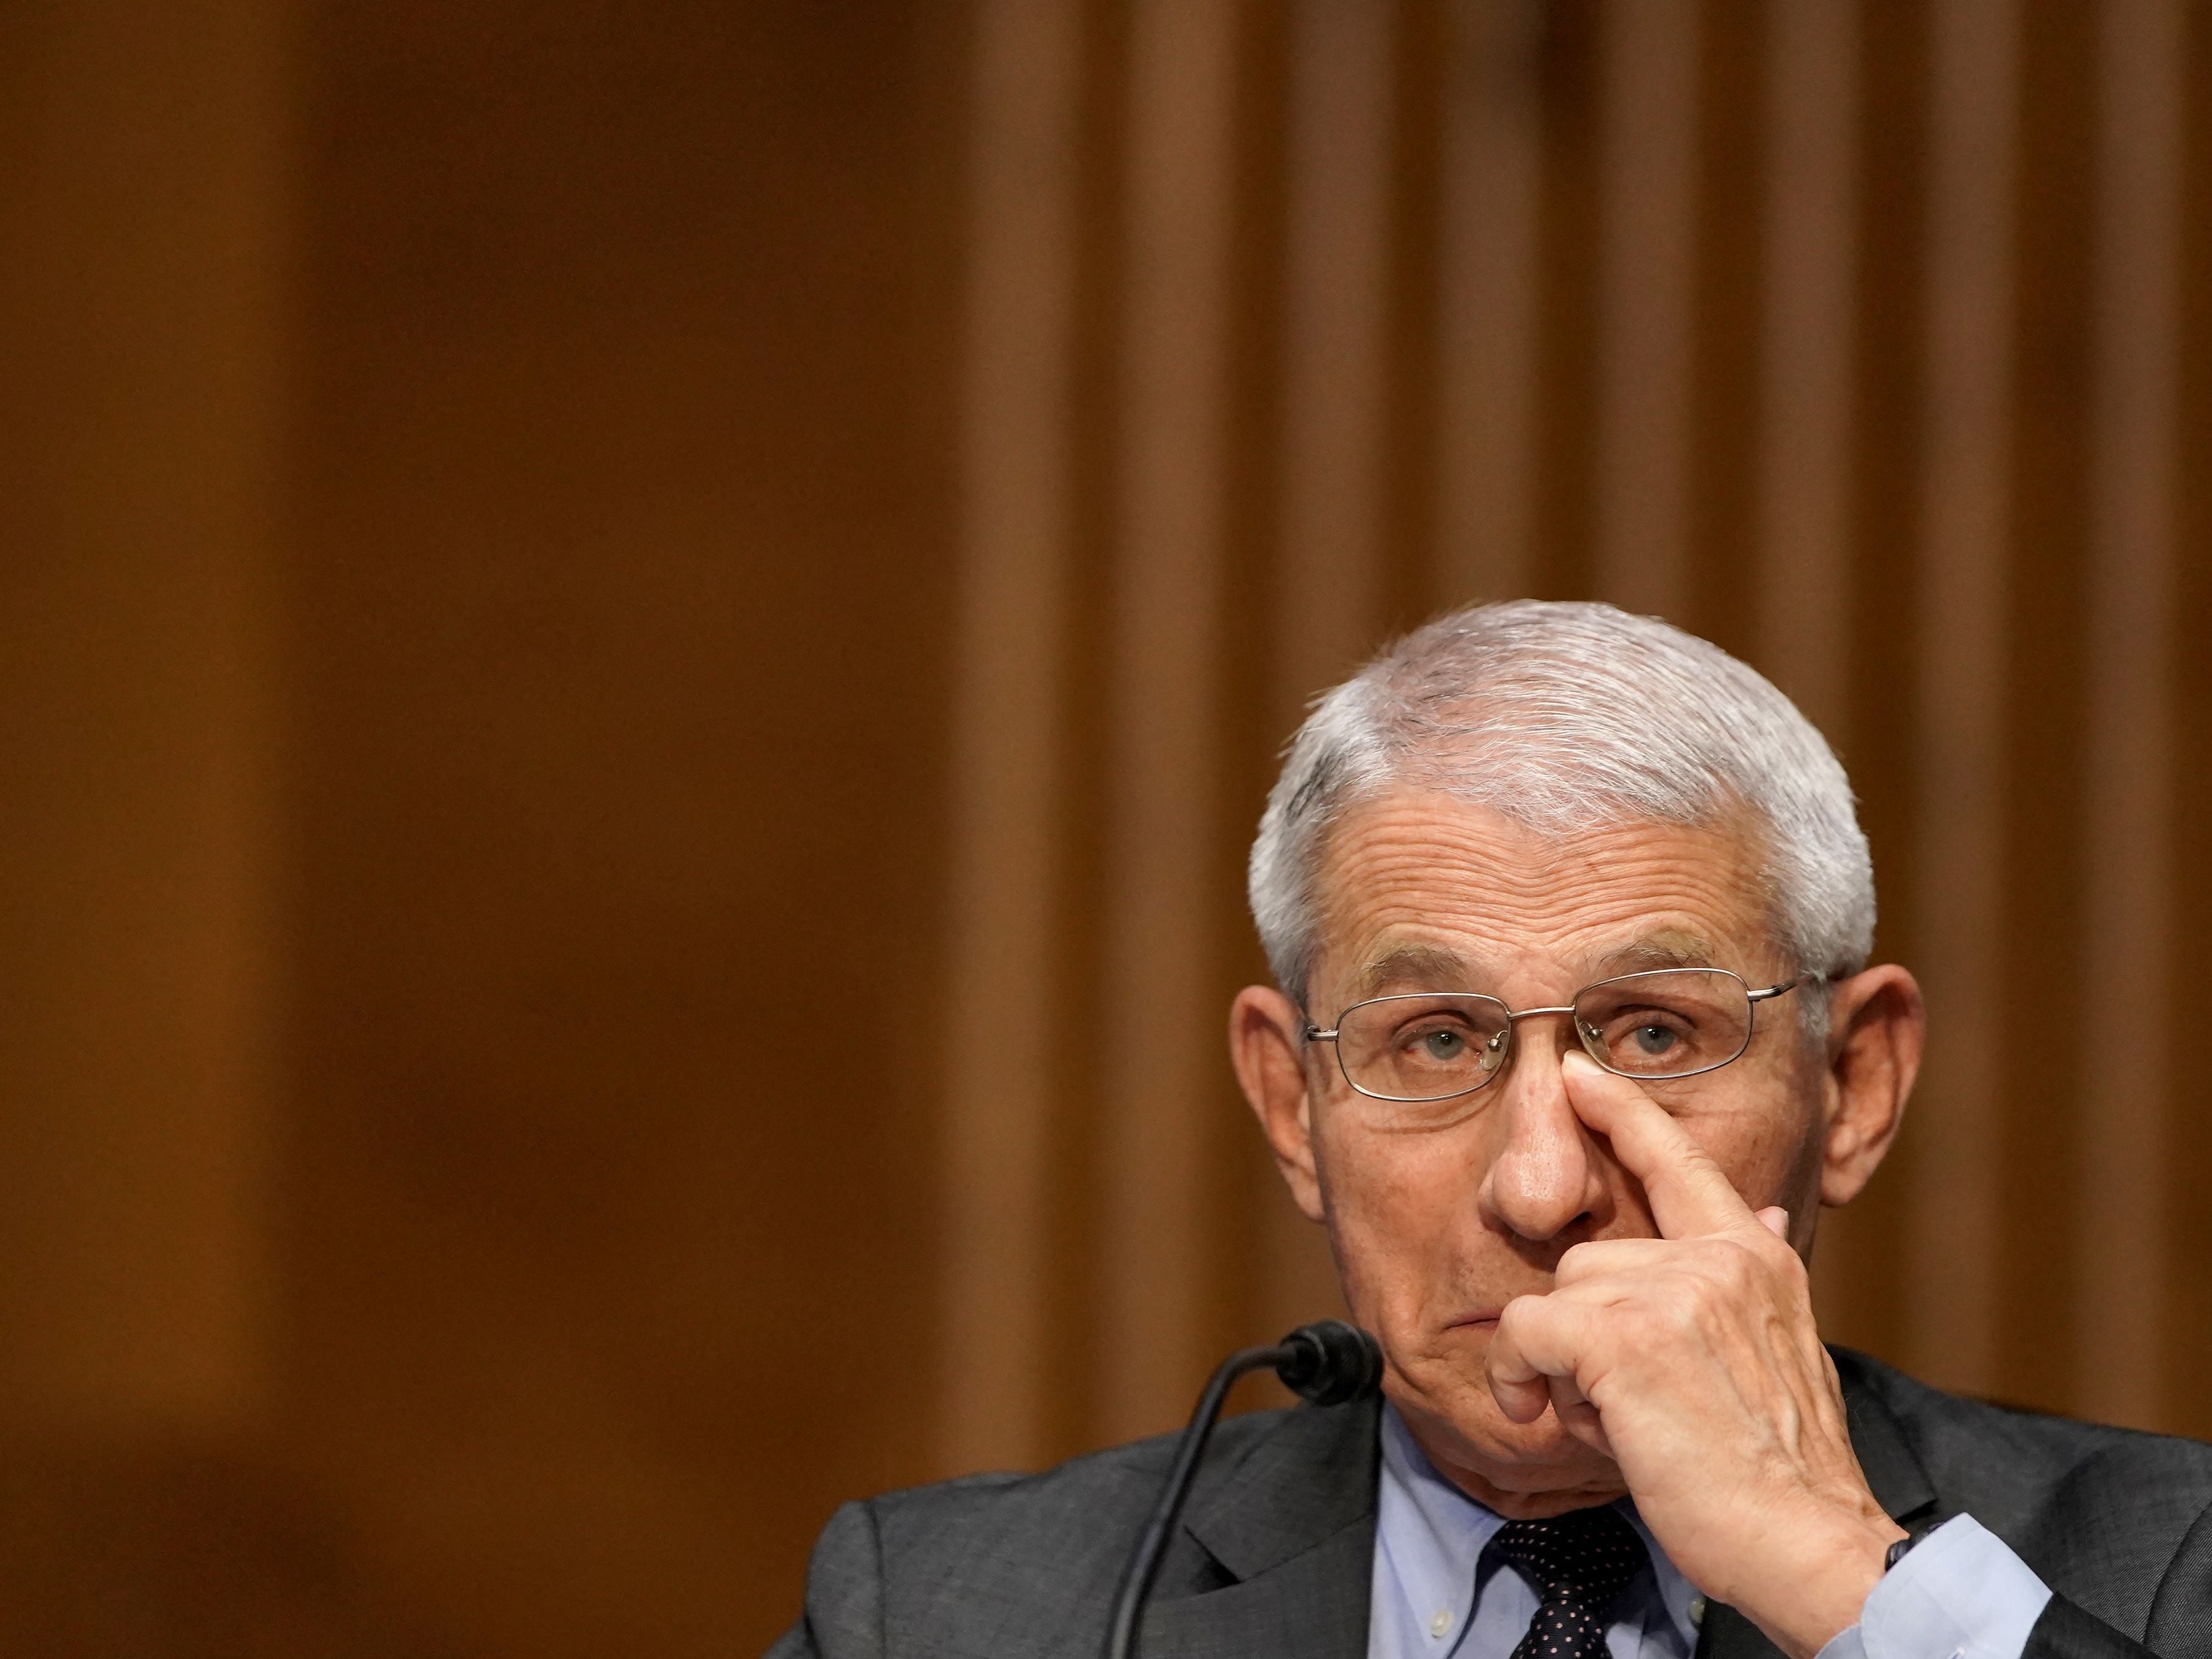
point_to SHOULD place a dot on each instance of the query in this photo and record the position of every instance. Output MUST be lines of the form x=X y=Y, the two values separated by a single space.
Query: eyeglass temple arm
x=1787 y=985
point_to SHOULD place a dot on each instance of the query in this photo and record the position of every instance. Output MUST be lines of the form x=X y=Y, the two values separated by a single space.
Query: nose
x=1546 y=1175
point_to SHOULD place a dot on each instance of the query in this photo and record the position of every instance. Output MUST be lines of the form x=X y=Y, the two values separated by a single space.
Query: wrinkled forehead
x=1420 y=890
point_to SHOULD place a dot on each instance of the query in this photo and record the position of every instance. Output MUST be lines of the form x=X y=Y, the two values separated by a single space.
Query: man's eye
x=1655 y=1040
x=1442 y=1045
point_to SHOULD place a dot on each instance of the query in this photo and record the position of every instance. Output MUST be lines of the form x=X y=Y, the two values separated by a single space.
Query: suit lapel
x=1900 y=1484
x=1292 y=1528
x=1894 y=1475
x=1313 y=1605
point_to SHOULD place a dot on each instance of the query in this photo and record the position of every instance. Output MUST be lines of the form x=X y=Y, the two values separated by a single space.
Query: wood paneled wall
x=1869 y=340
x=641 y=645
x=477 y=520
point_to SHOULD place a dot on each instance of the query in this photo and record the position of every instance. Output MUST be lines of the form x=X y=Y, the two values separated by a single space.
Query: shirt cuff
x=1958 y=1594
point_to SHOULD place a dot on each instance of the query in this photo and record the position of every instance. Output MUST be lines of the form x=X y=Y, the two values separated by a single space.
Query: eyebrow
x=1670 y=948
x=1424 y=965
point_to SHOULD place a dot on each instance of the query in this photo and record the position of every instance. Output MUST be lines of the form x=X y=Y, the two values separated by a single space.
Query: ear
x=1876 y=1026
x=1267 y=1049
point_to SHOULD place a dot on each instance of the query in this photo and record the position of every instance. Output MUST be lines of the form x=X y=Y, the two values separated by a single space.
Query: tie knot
x=1584 y=1558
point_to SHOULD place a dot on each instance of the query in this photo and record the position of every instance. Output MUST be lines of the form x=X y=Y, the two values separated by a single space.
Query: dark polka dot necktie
x=1577 y=1563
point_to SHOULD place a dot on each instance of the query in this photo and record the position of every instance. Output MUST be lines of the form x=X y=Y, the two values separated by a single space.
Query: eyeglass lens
x=1668 y=1023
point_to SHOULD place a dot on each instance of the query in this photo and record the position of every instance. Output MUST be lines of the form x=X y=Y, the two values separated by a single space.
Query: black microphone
x=1327 y=1363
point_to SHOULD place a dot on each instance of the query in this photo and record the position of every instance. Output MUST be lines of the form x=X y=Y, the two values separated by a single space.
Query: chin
x=1455 y=1417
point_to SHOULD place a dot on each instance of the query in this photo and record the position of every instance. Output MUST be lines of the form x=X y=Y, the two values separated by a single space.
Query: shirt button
x=1697 y=1610
x=1440 y=1621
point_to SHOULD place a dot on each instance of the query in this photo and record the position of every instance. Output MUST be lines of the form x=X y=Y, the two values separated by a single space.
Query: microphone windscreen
x=1331 y=1363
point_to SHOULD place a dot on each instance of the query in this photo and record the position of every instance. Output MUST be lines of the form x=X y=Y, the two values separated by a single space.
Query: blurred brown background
x=639 y=644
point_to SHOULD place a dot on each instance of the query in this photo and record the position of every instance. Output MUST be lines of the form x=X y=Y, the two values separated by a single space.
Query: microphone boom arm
x=1327 y=1363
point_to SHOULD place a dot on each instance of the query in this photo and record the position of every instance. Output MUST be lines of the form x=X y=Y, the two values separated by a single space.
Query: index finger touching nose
x=1689 y=1194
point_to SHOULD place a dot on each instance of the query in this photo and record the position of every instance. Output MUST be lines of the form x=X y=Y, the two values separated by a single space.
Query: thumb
x=1775 y=1220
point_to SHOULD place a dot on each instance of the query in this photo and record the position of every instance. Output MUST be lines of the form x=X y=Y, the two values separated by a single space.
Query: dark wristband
x=1896 y=1552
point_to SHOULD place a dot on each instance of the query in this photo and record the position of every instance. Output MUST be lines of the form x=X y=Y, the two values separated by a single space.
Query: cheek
x=1766 y=1147
x=1398 y=1206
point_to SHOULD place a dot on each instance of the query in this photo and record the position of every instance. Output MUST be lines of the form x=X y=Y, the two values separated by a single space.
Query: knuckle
x=1706 y=1273
x=1766 y=1260
x=1669 y=1311
x=1692 y=1304
x=1789 y=1265
x=1740 y=1267
x=1579 y=1261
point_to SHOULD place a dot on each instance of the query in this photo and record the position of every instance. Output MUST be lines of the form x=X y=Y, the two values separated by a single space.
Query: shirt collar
x=1435 y=1534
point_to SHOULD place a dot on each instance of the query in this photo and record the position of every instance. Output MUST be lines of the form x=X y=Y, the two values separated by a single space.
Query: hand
x=1692 y=1360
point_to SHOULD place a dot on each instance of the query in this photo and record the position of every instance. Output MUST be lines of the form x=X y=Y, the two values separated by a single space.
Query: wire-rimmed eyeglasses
x=1436 y=1045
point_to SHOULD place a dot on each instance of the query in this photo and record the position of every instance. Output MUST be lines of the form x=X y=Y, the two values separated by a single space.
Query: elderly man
x=1572 y=1033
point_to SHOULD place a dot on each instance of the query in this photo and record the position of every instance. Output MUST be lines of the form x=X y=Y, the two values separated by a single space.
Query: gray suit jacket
x=1276 y=1548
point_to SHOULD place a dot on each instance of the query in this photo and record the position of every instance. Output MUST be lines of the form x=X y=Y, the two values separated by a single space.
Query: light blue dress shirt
x=1959 y=1594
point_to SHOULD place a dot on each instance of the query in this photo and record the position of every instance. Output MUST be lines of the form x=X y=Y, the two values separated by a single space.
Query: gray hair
x=1568 y=716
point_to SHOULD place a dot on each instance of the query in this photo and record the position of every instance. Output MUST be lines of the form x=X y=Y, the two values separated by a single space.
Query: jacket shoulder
x=1084 y=1494
x=2102 y=1514
x=2011 y=1462
x=998 y=1563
